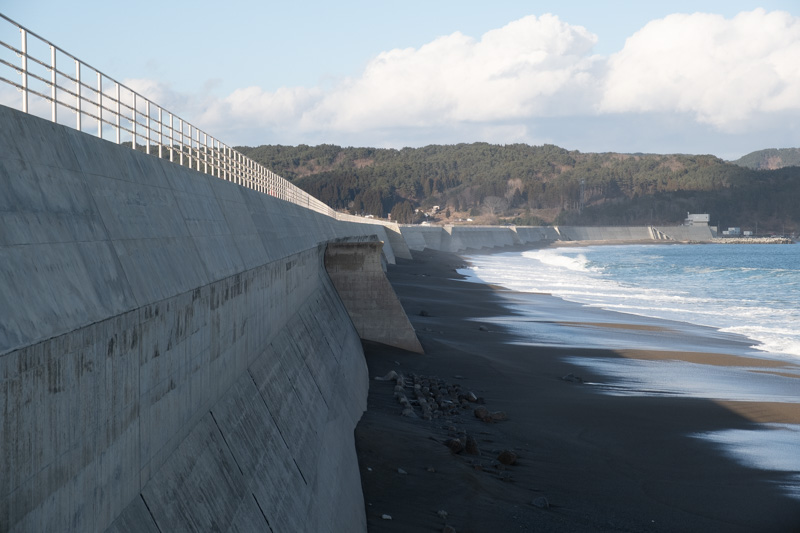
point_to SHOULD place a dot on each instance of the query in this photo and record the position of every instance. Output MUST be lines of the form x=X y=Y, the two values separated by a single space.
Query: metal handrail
x=140 y=121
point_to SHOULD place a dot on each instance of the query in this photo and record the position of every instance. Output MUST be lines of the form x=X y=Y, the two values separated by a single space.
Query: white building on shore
x=693 y=219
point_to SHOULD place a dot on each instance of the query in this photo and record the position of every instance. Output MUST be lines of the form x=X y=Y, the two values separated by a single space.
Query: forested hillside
x=538 y=185
x=770 y=159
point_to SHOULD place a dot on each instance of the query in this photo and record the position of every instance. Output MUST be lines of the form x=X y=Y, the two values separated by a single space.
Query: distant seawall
x=458 y=239
x=179 y=352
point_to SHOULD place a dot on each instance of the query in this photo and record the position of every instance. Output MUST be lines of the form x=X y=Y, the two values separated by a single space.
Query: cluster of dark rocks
x=434 y=398
x=429 y=398
x=495 y=461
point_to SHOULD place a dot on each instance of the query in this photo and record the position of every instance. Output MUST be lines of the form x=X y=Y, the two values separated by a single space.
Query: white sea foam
x=775 y=449
x=749 y=290
x=553 y=258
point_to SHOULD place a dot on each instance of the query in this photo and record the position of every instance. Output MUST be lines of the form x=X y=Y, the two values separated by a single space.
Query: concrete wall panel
x=135 y=296
x=201 y=488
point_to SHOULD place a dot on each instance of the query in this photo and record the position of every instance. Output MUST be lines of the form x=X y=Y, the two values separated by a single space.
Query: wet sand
x=585 y=461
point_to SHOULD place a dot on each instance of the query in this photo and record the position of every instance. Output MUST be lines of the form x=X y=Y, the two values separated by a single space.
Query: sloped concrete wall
x=276 y=450
x=394 y=239
x=464 y=238
x=86 y=224
x=137 y=299
x=478 y=237
x=370 y=300
x=687 y=233
x=531 y=234
x=420 y=237
x=611 y=233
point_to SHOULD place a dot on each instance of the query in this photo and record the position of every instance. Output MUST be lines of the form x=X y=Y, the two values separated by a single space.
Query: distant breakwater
x=754 y=240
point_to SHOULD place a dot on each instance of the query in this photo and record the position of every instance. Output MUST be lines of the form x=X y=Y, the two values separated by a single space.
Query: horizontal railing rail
x=54 y=82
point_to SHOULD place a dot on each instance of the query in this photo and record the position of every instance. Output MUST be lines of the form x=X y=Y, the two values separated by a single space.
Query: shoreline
x=587 y=461
x=764 y=335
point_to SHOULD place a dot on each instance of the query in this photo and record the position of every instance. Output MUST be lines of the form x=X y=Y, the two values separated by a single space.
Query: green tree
x=403 y=212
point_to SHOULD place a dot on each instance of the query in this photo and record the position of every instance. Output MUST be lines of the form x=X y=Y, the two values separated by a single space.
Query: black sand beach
x=584 y=461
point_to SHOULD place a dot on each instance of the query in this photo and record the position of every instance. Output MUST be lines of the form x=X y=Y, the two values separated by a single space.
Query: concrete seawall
x=458 y=239
x=173 y=354
x=355 y=269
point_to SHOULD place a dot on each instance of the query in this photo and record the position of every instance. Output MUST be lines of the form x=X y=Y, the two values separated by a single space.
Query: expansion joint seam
x=278 y=427
x=144 y=501
x=222 y=433
x=263 y=514
x=309 y=331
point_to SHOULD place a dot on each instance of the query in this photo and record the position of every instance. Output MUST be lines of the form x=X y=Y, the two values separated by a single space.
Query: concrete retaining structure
x=173 y=354
x=393 y=237
x=697 y=233
x=617 y=234
x=478 y=237
x=536 y=234
x=377 y=314
x=463 y=238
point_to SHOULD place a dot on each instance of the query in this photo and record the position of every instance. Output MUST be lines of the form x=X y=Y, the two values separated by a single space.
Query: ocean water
x=750 y=290
x=746 y=292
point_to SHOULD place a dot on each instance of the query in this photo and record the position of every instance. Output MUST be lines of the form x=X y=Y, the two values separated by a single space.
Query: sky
x=698 y=77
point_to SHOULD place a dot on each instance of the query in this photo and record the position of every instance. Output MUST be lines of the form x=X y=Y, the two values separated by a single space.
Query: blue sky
x=717 y=77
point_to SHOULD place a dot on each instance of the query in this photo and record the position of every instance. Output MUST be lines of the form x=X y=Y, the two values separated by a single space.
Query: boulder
x=472 y=446
x=455 y=445
x=507 y=457
x=483 y=414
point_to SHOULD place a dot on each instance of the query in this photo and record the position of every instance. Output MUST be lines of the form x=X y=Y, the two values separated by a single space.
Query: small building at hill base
x=693 y=219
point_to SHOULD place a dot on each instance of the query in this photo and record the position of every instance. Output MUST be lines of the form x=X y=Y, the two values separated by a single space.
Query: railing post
x=133 y=124
x=239 y=170
x=253 y=177
x=249 y=183
x=53 y=82
x=191 y=145
x=24 y=35
x=171 y=137
x=99 y=105
x=160 y=133
x=205 y=152
x=181 y=143
x=216 y=170
x=78 y=111
x=119 y=110
x=226 y=163
x=147 y=125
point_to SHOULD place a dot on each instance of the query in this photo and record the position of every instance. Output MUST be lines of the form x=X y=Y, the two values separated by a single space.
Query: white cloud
x=157 y=92
x=253 y=106
x=513 y=72
x=518 y=83
x=535 y=66
x=722 y=71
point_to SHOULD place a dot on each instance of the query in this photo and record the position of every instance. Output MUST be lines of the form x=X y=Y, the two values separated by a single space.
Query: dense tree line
x=538 y=183
x=770 y=159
